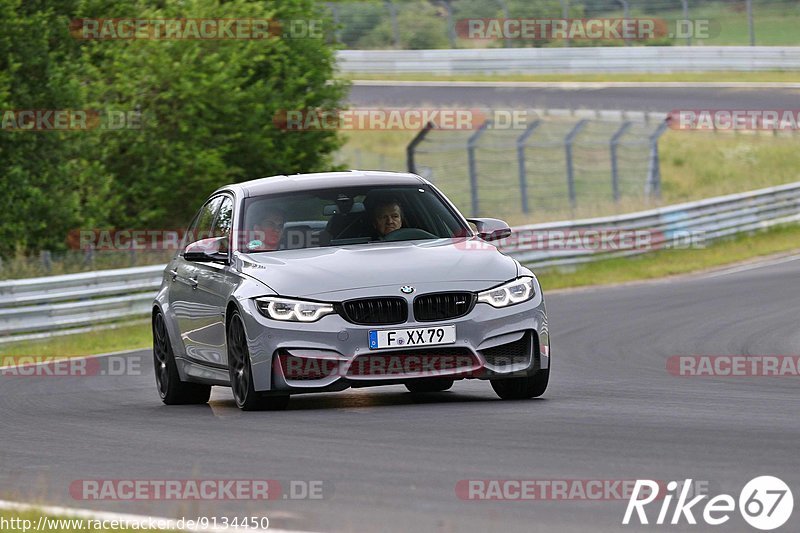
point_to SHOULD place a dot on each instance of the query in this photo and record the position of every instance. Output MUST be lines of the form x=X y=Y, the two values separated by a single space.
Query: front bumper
x=333 y=354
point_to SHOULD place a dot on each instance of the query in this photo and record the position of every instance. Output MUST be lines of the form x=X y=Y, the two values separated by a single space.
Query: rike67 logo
x=765 y=503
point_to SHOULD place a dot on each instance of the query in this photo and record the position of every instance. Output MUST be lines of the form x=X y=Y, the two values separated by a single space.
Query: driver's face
x=388 y=218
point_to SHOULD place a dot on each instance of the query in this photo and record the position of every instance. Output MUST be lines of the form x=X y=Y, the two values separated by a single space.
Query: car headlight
x=292 y=310
x=511 y=293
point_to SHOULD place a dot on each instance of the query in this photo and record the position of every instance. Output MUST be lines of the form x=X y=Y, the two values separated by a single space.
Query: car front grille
x=404 y=363
x=511 y=353
x=375 y=311
x=443 y=305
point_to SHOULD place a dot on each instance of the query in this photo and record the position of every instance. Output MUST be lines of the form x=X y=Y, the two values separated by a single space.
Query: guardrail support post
x=412 y=146
x=473 y=170
x=523 y=173
x=568 y=140
x=653 y=184
x=614 y=165
x=751 y=23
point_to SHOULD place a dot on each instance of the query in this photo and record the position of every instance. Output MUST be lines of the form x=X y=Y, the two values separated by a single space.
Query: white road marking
x=753 y=266
x=582 y=84
x=142 y=520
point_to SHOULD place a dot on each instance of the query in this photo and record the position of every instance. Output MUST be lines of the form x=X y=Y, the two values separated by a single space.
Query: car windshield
x=344 y=216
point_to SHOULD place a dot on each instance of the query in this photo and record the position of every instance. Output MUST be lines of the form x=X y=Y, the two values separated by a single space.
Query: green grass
x=672 y=262
x=698 y=165
x=774 y=25
x=780 y=76
x=124 y=337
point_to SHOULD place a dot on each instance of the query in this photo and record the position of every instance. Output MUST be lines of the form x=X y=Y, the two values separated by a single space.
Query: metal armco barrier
x=57 y=303
x=572 y=60
x=683 y=225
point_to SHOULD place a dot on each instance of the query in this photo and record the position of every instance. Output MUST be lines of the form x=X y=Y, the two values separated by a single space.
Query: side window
x=201 y=227
x=222 y=224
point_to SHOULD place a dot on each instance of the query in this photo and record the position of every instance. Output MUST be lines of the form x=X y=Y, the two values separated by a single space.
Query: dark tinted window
x=345 y=216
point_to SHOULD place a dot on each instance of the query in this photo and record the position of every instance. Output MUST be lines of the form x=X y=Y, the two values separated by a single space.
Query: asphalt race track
x=390 y=460
x=629 y=98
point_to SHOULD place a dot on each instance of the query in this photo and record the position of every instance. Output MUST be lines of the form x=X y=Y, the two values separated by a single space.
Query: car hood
x=315 y=272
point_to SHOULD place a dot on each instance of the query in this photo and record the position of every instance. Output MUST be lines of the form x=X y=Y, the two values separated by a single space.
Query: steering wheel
x=407 y=234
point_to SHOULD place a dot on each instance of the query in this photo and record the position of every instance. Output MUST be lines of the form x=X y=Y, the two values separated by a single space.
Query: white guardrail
x=53 y=304
x=572 y=60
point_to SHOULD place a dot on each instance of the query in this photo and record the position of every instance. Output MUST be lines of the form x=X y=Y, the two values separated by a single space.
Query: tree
x=206 y=107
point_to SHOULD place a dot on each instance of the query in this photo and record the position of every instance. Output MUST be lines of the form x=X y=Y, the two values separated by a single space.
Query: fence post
x=412 y=146
x=614 y=166
x=565 y=16
x=751 y=23
x=337 y=32
x=506 y=15
x=45 y=258
x=451 y=28
x=685 y=21
x=653 y=185
x=625 y=14
x=568 y=140
x=473 y=170
x=395 y=29
x=88 y=255
x=523 y=173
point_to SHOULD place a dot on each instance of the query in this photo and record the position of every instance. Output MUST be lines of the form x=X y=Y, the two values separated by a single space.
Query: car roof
x=322 y=180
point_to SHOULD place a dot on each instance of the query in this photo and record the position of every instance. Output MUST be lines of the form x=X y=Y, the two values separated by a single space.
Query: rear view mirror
x=333 y=209
x=213 y=250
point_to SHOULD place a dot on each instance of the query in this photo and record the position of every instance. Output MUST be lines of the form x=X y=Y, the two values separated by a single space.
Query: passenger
x=267 y=233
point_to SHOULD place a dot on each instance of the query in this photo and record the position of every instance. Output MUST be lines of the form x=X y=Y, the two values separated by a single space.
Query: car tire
x=429 y=385
x=241 y=373
x=522 y=388
x=172 y=390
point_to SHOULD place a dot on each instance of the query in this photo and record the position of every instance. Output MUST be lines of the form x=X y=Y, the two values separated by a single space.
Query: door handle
x=174 y=274
x=193 y=282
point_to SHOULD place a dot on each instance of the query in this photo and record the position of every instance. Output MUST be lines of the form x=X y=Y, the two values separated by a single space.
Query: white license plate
x=395 y=338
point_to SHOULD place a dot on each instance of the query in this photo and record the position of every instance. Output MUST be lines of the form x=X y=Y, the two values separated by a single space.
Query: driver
x=387 y=216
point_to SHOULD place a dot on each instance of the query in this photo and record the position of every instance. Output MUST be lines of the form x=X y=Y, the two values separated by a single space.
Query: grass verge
x=23 y=521
x=672 y=262
x=124 y=337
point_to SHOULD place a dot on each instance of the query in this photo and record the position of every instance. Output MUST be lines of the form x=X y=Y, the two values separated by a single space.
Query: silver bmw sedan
x=320 y=282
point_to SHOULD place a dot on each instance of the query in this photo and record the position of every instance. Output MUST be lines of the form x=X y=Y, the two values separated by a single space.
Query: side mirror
x=491 y=229
x=208 y=251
